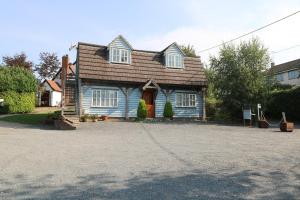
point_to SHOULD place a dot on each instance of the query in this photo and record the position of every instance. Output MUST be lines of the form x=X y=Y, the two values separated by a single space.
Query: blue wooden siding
x=134 y=98
x=133 y=103
x=112 y=112
x=178 y=112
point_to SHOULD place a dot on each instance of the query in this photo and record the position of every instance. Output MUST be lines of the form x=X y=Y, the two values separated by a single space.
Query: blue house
x=110 y=80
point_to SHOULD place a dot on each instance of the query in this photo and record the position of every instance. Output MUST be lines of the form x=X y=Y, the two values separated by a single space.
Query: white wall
x=55 y=98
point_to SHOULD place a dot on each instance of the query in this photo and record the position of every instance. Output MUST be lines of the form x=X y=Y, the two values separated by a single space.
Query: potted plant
x=104 y=117
x=84 y=118
x=94 y=118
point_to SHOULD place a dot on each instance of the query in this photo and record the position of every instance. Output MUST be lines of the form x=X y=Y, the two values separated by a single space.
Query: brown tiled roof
x=54 y=85
x=295 y=64
x=145 y=65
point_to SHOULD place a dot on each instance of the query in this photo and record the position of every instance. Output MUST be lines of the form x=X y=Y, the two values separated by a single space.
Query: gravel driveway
x=121 y=160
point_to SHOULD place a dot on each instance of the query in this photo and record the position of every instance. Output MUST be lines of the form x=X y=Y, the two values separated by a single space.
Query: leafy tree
x=168 y=110
x=17 y=79
x=18 y=60
x=188 y=50
x=48 y=66
x=17 y=88
x=142 y=110
x=238 y=76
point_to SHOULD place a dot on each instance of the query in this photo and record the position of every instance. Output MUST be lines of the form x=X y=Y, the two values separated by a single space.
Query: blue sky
x=35 y=26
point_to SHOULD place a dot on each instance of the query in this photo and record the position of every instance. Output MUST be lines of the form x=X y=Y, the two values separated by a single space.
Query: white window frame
x=188 y=100
x=174 y=61
x=104 y=98
x=294 y=74
x=117 y=55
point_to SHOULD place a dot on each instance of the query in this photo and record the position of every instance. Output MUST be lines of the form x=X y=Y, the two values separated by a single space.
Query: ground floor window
x=105 y=98
x=185 y=100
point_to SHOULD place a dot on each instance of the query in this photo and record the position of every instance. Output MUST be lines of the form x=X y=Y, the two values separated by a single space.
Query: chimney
x=272 y=64
x=64 y=66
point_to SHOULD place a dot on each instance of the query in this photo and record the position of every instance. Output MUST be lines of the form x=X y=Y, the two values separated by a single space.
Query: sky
x=34 y=26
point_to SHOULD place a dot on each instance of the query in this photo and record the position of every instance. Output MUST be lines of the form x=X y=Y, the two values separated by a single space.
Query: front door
x=148 y=96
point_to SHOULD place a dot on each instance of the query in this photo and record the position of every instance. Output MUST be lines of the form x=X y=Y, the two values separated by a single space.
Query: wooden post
x=79 y=98
x=126 y=91
x=203 y=104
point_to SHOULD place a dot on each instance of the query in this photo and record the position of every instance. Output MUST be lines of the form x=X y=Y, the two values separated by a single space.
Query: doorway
x=148 y=96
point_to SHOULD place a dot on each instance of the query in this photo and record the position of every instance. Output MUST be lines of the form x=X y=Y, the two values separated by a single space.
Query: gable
x=174 y=56
x=120 y=42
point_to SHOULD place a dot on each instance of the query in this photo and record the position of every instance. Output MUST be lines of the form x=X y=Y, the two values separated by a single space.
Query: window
x=119 y=55
x=185 y=100
x=174 y=60
x=105 y=98
x=293 y=74
x=279 y=77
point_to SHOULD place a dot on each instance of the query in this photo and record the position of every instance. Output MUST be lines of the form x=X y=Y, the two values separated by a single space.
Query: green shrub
x=17 y=79
x=15 y=102
x=142 y=110
x=168 y=110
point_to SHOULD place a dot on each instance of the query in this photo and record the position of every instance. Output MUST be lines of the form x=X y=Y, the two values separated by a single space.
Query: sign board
x=247 y=114
x=1 y=102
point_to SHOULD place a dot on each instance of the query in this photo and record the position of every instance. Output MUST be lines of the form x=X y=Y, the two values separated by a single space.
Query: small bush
x=168 y=110
x=15 y=102
x=142 y=110
x=84 y=118
x=94 y=118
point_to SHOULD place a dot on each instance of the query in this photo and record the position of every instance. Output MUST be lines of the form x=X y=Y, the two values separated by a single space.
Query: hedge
x=15 y=102
x=17 y=79
x=287 y=101
x=142 y=110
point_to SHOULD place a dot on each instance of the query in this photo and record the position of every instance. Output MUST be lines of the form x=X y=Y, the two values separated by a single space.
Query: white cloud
x=278 y=36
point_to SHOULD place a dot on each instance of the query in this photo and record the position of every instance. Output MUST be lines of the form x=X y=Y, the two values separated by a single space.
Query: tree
x=188 y=50
x=17 y=88
x=48 y=66
x=238 y=76
x=18 y=60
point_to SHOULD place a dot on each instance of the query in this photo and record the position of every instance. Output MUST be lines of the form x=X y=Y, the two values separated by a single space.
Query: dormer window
x=120 y=51
x=120 y=55
x=174 y=60
x=174 y=56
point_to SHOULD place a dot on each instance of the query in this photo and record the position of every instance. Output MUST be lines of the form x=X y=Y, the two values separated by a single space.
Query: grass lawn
x=35 y=119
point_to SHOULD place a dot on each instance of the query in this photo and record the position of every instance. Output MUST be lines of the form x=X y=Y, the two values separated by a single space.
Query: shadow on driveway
x=197 y=185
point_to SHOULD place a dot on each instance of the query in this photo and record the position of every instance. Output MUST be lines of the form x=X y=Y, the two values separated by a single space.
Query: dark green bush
x=142 y=110
x=17 y=79
x=287 y=101
x=168 y=110
x=15 y=102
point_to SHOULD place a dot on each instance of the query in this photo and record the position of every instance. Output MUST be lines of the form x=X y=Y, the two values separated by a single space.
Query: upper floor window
x=185 y=100
x=293 y=74
x=174 y=60
x=279 y=77
x=120 y=55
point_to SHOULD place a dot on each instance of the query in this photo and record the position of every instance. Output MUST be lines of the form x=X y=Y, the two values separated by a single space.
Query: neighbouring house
x=50 y=93
x=286 y=73
x=110 y=80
